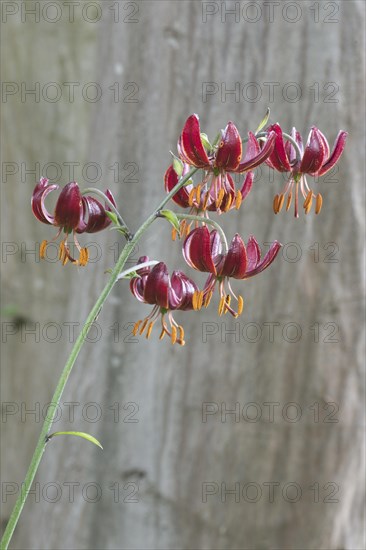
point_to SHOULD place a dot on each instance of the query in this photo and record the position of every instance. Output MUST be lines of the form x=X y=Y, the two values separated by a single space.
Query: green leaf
x=88 y=437
x=178 y=167
x=263 y=122
x=112 y=216
x=171 y=217
x=206 y=143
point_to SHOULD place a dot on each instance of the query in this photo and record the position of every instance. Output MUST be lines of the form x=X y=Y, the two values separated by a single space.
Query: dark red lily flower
x=73 y=214
x=154 y=286
x=216 y=191
x=202 y=250
x=200 y=201
x=316 y=160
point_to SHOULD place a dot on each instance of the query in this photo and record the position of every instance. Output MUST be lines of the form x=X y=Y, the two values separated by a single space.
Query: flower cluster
x=212 y=165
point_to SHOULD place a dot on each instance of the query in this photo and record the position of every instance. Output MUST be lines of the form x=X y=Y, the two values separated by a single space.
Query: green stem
x=42 y=441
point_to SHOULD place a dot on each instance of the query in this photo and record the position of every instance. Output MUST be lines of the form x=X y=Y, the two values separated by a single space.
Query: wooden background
x=168 y=53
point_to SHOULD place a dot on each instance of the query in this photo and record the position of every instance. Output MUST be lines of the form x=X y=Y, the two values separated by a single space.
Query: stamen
x=221 y=305
x=181 y=335
x=220 y=198
x=42 y=249
x=198 y=193
x=182 y=227
x=162 y=334
x=308 y=207
x=174 y=335
x=240 y=305
x=84 y=256
x=148 y=332
x=275 y=204
x=207 y=196
x=188 y=228
x=136 y=328
x=143 y=326
x=289 y=200
x=191 y=196
x=319 y=202
x=229 y=202
x=174 y=234
x=281 y=199
x=238 y=200
x=227 y=303
x=208 y=298
x=308 y=199
x=197 y=300
x=61 y=251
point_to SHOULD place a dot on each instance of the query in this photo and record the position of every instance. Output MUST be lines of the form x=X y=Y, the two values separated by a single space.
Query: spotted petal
x=266 y=261
x=41 y=190
x=190 y=146
x=171 y=179
x=156 y=287
x=69 y=209
x=338 y=147
x=197 y=250
x=94 y=216
x=181 y=291
x=254 y=155
x=235 y=264
x=278 y=159
x=229 y=153
x=314 y=154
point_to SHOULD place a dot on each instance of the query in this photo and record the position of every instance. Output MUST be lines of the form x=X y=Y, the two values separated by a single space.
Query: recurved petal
x=69 y=207
x=253 y=253
x=314 y=154
x=229 y=153
x=190 y=145
x=338 y=147
x=41 y=190
x=235 y=264
x=157 y=285
x=94 y=218
x=197 y=250
x=278 y=159
x=170 y=180
x=266 y=261
x=254 y=155
x=247 y=185
x=137 y=286
x=290 y=149
x=144 y=270
x=181 y=291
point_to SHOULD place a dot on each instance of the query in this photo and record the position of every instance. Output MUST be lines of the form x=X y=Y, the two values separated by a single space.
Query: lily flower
x=216 y=191
x=316 y=160
x=73 y=214
x=155 y=286
x=202 y=250
x=201 y=201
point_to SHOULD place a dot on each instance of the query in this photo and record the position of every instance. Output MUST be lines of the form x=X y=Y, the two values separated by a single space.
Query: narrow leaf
x=263 y=122
x=84 y=435
x=206 y=143
x=171 y=217
x=178 y=167
x=112 y=216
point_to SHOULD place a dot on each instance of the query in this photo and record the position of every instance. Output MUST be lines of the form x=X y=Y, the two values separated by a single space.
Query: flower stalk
x=43 y=438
